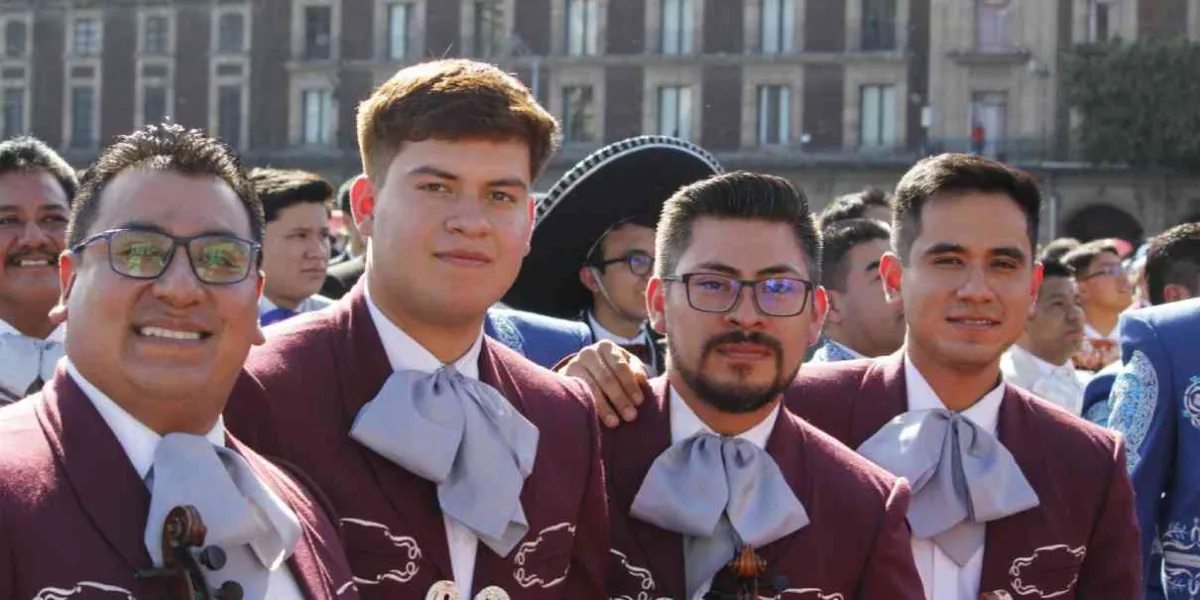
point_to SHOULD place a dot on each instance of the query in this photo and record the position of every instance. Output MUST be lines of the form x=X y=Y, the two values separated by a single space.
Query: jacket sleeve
x=890 y=571
x=1096 y=405
x=1112 y=567
x=1145 y=412
x=590 y=556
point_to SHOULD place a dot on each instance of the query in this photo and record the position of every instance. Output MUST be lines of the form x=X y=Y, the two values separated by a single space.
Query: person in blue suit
x=543 y=340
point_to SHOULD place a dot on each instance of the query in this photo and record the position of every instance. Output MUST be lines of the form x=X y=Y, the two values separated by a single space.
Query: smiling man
x=460 y=469
x=159 y=287
x=1050 y=508
x=36 y=187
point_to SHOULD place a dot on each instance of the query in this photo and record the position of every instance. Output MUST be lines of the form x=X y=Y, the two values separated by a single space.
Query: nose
x=318 y=247
x=33 y=236
x=975 y=287
x=178 y=284
x=745 y=313
x=468 y=218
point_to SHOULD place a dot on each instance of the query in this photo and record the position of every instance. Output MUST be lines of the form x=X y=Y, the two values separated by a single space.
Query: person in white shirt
x=296 y=241
x=1107 y=291
x=1040 y=361
x=36 y=187
x=160 y=285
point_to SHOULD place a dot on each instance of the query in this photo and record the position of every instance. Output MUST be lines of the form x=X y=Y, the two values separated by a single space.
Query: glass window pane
x=770 y=26
x=154 y=103
x=154 y=36
x=869 y=118
x=82 y=116
x=318 y=21
x=579 y=118
x=15 y=39
x=229 y=114
x=686 y=26
x=231 y=33
x=86 y=37
x=14 y=111
x=671 y=24
x=399 y=17
x=685 y=113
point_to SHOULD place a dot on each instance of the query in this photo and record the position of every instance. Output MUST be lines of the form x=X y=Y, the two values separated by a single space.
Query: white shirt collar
x=406 y=354
x=138 y=440
x=58 y=335
x=605 y=334
x=985 y=413
x=1045 y=368
x=685 y=423
x=1091 y=333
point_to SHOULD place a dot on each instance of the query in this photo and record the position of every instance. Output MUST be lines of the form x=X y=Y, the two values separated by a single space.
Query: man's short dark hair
x=343 y=195
x=164 y=147
x=28 y=154
x=739 y=195
x=1081 y=258
x=953 y=174
x=839 y=239
x=1054 y=268
x=854 y=206
x=1057 y=249
x=279 y=189
x=1173 y=258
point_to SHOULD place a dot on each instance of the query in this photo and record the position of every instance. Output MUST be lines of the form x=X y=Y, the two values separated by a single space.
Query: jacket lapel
x=882 y=397
x=109 y=490
x=366 y=368
x=786 y=446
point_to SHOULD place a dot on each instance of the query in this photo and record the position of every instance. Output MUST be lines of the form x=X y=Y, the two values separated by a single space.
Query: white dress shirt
x=23 y=359
x=1062 y=384
x=685 y=423
x=140 y=442
x=942 y=577
x=604 y=334
x=406 y=354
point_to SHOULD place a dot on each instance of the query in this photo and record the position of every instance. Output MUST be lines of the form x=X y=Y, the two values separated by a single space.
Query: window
x=489 y=27
x=155 y=35
x=154 y=103
x=1102 y=16
x=579 y=114
x=582 y=27
x=774 y=102
x=677 y=25
x=399 y=24
x=83 y=116
x=879 y=25
x=16 y=39
x=318 y=26
x=778 y=26
x=14 y=111
x=877 y=116
x=675 y=111
x=989 y=116
x=231 y=33
x=992 y=20
x=229 y=114
x=316 y=107
x=85 y=36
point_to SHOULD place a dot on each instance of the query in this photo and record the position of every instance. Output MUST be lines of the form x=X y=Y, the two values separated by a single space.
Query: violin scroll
x=184 y=530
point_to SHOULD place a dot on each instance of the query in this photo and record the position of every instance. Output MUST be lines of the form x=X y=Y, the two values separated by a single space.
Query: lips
x=973 y=322
x=464 y=258
x=33 y=262
x=172 y=332
x=744 y=351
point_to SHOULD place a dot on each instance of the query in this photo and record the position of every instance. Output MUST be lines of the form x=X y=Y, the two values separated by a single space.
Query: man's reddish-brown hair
x=452 y=99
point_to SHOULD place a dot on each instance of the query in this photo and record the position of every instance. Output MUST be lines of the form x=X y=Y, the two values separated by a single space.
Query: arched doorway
x=1099 y=221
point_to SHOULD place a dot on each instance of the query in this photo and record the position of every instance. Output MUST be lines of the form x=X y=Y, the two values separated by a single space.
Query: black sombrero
x=628 y=180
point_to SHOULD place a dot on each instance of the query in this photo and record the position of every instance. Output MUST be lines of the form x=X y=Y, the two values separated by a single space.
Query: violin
x=744 y=578
x=182 y=535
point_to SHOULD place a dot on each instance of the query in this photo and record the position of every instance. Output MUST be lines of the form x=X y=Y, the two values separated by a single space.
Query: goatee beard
x=733 y=398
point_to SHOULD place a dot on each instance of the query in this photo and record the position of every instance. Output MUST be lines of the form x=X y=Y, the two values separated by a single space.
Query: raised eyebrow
x=433 y=172
x=721 y=268
x=780 y=269
x=945 y=248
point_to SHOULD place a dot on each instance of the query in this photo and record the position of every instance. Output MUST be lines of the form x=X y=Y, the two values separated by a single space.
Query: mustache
x=744 y=337
x=15 y=258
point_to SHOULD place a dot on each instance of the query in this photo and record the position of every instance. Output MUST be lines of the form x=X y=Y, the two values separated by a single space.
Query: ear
x=656 y=301
x=66 y=283
x=820 y=309
x=891 y=272
x=833 y=312
x=587 y=276
x=1174 y=292
x=1038 y=275
x=529 y=216
x=362 y=204
x=258 y=338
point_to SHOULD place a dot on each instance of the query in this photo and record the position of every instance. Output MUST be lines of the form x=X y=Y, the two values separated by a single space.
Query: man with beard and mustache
x=714 y=463
x=1011 y=497
x=36 y=187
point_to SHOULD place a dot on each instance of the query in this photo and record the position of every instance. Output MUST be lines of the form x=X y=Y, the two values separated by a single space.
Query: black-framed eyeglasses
x=639 y=263
x=216 y=259
x=774 y=296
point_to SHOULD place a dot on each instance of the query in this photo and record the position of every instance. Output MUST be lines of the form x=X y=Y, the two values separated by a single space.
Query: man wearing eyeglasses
x=160 y=287
x=593 y=244
x=715 y=467
x=1107 y=291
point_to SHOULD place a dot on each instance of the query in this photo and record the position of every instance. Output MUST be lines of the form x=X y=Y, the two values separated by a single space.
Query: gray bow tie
x=26 y=363
x=961 y=477
x=246 y=519
x=719 y=492
x=464 y=436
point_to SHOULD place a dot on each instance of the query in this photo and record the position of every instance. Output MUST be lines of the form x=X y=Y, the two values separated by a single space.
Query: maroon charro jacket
x=857 y=544
x=1080 y=542
x=73 y=509
x=310 y=380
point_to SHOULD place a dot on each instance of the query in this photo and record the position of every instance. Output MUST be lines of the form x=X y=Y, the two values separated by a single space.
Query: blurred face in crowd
x=168 y=349
x=449 y=224
x=1054 y=332
x=619 y=293
x=1105 y=286
x=860 y=317
x=740 y=360
x=968 y=283
x=296 y=253
x=33 y=220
